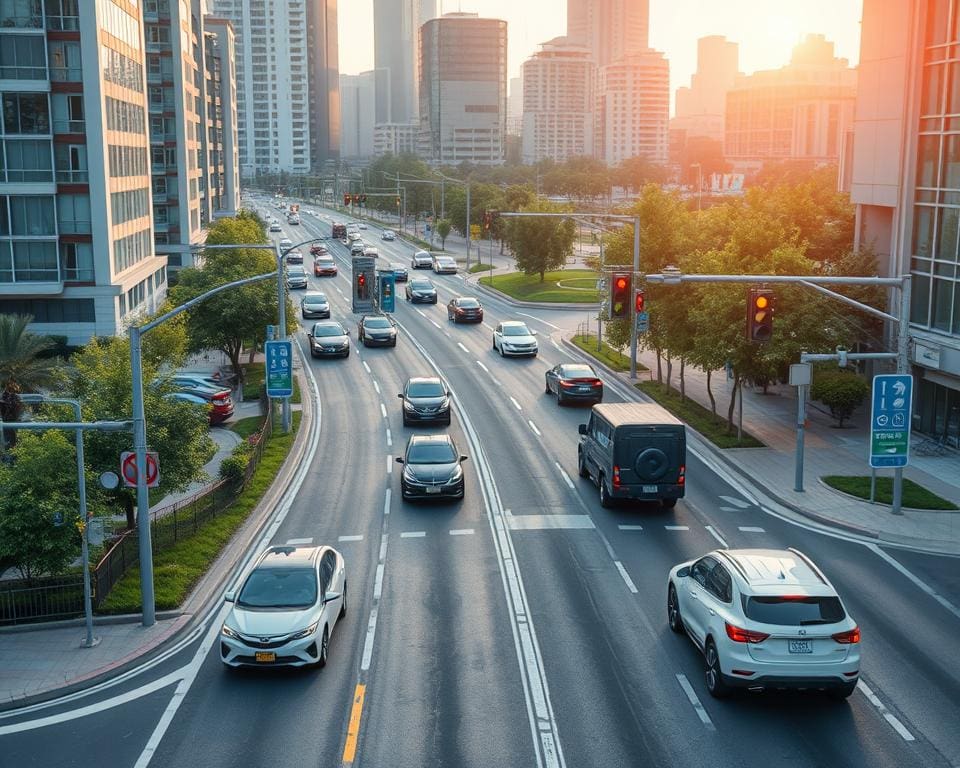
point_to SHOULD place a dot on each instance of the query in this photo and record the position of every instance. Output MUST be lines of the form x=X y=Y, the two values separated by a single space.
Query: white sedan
x=512 y=337
x=286 y=610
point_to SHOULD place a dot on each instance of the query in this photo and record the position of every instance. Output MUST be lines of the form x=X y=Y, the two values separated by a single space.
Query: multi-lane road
x=525 y=625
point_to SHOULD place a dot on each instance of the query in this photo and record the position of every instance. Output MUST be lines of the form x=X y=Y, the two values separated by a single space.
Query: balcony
x=63 y=23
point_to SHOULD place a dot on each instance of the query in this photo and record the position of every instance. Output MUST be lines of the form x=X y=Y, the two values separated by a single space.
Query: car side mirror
x=463 y=457
x=399 y=459
x=229 y=596
x=582 y=429
x=400 y=395
x=330 y=597
x=683 y=572
x=533 y=333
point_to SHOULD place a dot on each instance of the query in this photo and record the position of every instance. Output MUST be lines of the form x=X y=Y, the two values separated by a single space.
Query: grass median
x=714 y=428
x=177 y=569
x=915 y=496
x=607 y=355
x=563 y=286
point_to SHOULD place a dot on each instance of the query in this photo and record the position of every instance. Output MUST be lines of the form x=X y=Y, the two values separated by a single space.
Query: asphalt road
x=525 y=625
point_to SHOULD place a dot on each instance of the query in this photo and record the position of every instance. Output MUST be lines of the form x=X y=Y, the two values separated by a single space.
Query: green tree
x=618 y=333
x=101 y=378
x=23 y=366
x=39 y=505
x=541 y=244
x=443 y=231
x=841 y=392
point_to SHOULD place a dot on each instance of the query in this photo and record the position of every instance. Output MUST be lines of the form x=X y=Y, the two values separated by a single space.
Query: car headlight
x=408 y=406
x=456 y=477
x=305 y=632
x=229 y=632
x=409 y=475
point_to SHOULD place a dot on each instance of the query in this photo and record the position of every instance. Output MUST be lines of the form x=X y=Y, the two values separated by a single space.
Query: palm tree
x=22 y=366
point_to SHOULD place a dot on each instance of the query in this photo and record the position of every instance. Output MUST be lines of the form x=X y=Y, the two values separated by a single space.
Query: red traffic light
x=620 y=295
x=638 y=298
x=621 y=283
x=361 y=279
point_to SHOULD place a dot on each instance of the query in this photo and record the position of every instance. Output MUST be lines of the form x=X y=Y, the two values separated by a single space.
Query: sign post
x=279 y=356
x=891 y=405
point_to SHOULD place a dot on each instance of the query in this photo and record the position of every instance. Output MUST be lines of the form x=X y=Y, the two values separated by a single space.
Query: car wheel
x=715 y=685
x=448 y=420
x=839 y=694
x=434 y=301
x=501 y=351
x=343 y=605
x=347 y=353
x=559 y=398
x=546 y=388
x=394 y=343
x=406 y=421
x=324 y=648
x=605 y=501
x=673 y=611
x=669 y=503
x=581 y=466
x=494 y=345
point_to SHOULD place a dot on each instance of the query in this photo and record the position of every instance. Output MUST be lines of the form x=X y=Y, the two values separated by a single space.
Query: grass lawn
x=254 y=380
x=714 y=428
x=479 y=267
x=177 y=569
x=248 y=426
x=607 y=354
x=529 y=288
x=915 y=496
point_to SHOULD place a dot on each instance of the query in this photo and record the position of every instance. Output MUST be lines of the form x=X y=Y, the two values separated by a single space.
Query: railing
x=47 y=598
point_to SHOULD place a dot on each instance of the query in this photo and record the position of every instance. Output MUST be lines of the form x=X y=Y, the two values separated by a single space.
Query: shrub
x=840 y=392
x=234 y=467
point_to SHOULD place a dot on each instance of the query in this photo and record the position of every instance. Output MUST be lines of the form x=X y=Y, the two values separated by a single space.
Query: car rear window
x=794 y=611
x=469 y=303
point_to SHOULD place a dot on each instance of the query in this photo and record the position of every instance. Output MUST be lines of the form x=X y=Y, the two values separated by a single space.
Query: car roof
x=510 y=323
x=374 y=317
x=329 y=324
x=289 y=557
x=314 y=295
x=424 y=380
x=295 y=268
x=429 y=440
x=769 y=571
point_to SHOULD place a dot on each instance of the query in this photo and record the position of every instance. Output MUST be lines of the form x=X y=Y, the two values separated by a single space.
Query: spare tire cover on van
x=651 y=464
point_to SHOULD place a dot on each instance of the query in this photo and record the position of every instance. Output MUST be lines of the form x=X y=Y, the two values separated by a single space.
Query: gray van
x=634 y=451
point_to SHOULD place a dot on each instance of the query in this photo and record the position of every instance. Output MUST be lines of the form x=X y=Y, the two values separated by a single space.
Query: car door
x=553 y=376
x=498 y=335
x=692 y=598
x=330 y=610
x=718 y=594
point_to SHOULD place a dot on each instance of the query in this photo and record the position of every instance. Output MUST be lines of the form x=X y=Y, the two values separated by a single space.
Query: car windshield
x=431 y=453
x=794 y=611
x=468 y=303
x=314 y=298
x=328 y=330
x=279 y=588
x=296 y=271
x=578 y=371
x=515 y=330
x=423 y=285
x=425 y=389
x=377 y=322
x=324 y=260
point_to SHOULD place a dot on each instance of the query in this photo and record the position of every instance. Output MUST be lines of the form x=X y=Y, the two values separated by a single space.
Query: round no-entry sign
x=128 y=469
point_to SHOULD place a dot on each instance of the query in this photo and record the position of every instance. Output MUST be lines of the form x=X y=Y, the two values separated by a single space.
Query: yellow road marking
x=353 y=729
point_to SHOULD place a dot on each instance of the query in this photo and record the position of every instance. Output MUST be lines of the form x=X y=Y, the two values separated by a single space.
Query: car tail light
x=849 y=637
x=683 y=475
x=567 y=384
x=616 y=476
x=739 y=635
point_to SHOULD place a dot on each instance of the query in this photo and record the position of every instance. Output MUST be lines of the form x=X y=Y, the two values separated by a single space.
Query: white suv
x=765 y=619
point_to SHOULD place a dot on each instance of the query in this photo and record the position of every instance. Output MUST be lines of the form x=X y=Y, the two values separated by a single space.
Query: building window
x=26 y=113
x=68 y=113
x=21 y=13
x=65 y=63
x=78 y=262
x=63 y=14
x=51 y=310
x=160 y=186
x=71 y=163
x=32 y=216
x=73 y=212
x=28 y=160
x=22 y=58
x=34 y=261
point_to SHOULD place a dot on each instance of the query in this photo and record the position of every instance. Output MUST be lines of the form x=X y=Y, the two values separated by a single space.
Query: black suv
x=425 y=399
x=377 y=331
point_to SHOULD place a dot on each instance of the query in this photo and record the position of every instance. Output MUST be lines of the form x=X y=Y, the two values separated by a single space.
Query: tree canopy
x=540 y=244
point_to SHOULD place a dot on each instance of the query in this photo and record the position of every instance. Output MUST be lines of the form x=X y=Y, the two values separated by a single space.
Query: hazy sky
x=765 y=29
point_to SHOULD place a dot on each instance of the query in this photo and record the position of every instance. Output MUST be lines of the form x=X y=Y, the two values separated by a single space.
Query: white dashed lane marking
x=751 y=529
x=677 y=527
x=626 y=577
x=738 y=503
x=534 y=428
x=299 y=542
x=413 y=534
x=460 y=344
x=695 y=701
x=716 y=535
x=566 y=477
x=366 y=367
x=357 y=537
x=376 y=386
x=630 y=527
x=461 y=531
x=383 y=410
x=887 y=714
x=515 y=403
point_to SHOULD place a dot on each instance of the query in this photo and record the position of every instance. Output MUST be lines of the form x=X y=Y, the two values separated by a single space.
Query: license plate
x=649 y=489
x=800 y=646
x=266 y=656
x=433 y=489
x=583 y=389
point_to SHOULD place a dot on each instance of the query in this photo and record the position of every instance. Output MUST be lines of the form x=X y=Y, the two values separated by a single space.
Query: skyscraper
x=324 y=68
x=633 y=108
x=358 y=111
x=396 y=47
x=611 y=29
x=701 y=106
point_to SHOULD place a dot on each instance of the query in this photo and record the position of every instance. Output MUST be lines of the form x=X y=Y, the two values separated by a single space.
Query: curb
x=883 y=504
x=945 y=548
x=195 y=606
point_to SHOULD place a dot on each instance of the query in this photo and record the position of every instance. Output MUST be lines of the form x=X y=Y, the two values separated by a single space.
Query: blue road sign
x=643 y=322
x=279 y=356
x=891 y=406
x=386 y=290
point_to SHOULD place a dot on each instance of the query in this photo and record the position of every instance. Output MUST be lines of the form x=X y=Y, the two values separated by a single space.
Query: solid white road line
x=413 y=534
x=515 y=403
x=383 y=410
x=717 y=536
x=389 y=439
x=626 y=576
x=915 y=579
x=695 y=701
x=751 y=529
x=630 y=527
x=299 y=542
x=566 y=477
x=541 y=320
x=886 y=713
x=461 y=345
x=368 y=643
x=461 y=531
x=534 y=428
x=677 y=527
x=356 y=537
x=386 y=502
x=390 y=463
x=739 y=503
x=366 y=367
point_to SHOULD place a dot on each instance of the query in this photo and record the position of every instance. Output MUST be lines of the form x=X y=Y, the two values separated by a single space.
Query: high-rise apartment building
x=396 y=49
x=515 y=106
x=905 y=182
x=633 y=109
x=558 y=102
x=611 y=29
x=700 y=108
x=395 y=138
x=287 y=82
x=798 y=112
x=463 y=89
x=76 y=237
x=358 y=98
x=220 y=149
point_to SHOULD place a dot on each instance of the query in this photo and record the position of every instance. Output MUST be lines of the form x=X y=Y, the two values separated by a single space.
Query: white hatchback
x=286 y=609
x=765 y=619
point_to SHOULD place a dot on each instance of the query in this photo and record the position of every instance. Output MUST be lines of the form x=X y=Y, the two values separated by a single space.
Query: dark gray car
x=314 y=305
x=329 y=339
x=432 y=468
x=421 y=290
x=425 y=399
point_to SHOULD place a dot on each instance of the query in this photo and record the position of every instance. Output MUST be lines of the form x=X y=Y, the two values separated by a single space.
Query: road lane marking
x=483 y=366
x=378 y=582
x=915 y=579
x=677 y=527
x=461 y=345
x=389 y=439
x=729 y=509
x=419 y=312
x=533 y=427
x=383 y=548
x=739 y=503
x=515 y=403
x=488 y=327
x=550 y=522
x=461 y=531
x=695 y=701
x=368 y=643
x=353 y=728
x=566 y=477
x=630 y=527
x=886 y=713
x=356 y=537
x=376 y=386
x=299 y=542
x=413 y=534
x=436 y=324
x=383 y=410
x=751 y=529
x=626 y=576
x=386 y=502
x=390 y=463
x=712 y=531
x=366 y=367
x=541 y=320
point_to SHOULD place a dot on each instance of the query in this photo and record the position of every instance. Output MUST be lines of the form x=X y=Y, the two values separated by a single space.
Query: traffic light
x=347 y=199
x=760 y=315
x=620 y=294
x=362 y=286
x=638 y=298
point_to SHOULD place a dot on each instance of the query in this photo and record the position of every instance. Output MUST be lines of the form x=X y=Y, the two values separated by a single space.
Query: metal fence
x=56 y=597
